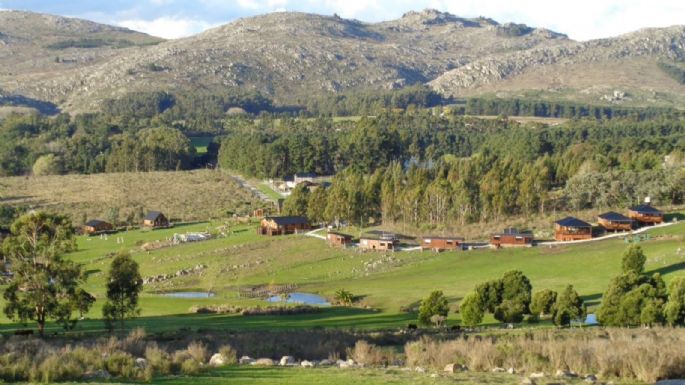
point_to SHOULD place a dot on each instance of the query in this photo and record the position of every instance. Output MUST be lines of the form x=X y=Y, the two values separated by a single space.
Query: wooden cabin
x=304 y=177
x=378 y=241
x=155 y=220
x=572 y=229
x=282 y=225
x=441 y=243
x=646 y=215
x=613 y=221
x=96 y=226
x=259 y=213
x=336 y=239
x=511 y=237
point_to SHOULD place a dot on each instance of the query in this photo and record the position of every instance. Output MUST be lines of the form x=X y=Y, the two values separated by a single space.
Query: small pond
x=300 y=298
x=189 y=294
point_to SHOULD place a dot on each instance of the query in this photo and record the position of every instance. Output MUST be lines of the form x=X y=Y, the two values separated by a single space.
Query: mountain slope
x=291 y=56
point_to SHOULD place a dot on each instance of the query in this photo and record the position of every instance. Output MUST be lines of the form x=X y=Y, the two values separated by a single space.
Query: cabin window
x=426 y=241
x=496 y=237
x=518 y=237
x=449 y=242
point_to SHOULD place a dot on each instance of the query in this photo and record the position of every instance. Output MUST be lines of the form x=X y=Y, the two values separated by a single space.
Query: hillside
x=290 y=56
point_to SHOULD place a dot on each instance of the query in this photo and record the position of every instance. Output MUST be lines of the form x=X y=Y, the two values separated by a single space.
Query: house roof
x=445 y=238
x=95 y=223
x=615 y=217
x=645 y=209
x=572 y=222
x=152 y=215
x=305 y=175
x=515 y=231
x=289 y=220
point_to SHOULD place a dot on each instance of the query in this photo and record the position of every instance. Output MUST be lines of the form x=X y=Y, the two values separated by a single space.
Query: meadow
x=181 y=195
x=389 y=285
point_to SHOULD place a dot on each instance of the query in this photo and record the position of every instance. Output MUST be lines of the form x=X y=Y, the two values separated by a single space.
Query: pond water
x=301 y=298
x=190 y=294
x=591 y=319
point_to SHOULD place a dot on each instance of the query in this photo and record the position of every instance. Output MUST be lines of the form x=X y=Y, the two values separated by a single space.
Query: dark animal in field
x=412 y=327
x=23 y=332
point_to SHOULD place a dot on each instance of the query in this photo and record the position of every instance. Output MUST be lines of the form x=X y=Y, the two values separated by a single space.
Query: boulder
x=307 y=364
x=245 y=360
x=419 y=369
x=287 y=361
x=455 y=368
x=527 y=381
x=565 y=374
x=591 y=378
x=97 y=375
x=141 y=363
x=511 y=371
x=264 y=362
x=537 y=375
x=498 y=370
x=217 y=359
x=325 y=362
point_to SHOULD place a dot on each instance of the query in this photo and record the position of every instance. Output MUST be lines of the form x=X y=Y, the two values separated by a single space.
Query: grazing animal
x=23 y=332
x=412 y=327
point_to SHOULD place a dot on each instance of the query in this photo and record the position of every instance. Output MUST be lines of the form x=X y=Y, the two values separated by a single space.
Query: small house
x=96 y=226
x=282 y=225
x=378 y=241
x=613 y=221
x=259 y=213
x=511 y=237
x=646 y=214
x=441 y=243
x=304 y=177
x=336 y=239
x=572 y=229
x=155 y=219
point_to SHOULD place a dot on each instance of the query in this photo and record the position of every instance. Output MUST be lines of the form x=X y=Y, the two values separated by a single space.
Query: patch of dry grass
x=181 y=195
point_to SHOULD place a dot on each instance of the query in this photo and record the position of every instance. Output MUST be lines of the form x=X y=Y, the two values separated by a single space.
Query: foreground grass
x=332 y=376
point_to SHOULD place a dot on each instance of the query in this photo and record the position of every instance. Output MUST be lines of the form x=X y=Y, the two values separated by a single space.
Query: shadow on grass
x=592 y=299
x=668 y=269
x=334 y=317
x=672 y=216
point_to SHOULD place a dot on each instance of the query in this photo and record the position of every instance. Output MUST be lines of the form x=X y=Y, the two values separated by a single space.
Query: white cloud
x=167 y=27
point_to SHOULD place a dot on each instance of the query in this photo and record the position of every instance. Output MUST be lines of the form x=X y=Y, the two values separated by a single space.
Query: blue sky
x=580 y=19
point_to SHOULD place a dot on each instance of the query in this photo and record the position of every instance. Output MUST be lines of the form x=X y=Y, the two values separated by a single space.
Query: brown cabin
x=378 y=242
x=511 y=237
x=96 y=226
x=338 y=239
x=441 y=243
x=572 y=229
x=613 y=221
x=155 y=220
x=282 y=225
x=646 y=215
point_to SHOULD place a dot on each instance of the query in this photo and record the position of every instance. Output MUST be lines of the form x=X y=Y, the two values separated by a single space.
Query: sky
x=579 y=19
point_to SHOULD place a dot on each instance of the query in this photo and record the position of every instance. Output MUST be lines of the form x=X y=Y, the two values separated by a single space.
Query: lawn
x=384 y=282
x=200 y=143
x=332 y=376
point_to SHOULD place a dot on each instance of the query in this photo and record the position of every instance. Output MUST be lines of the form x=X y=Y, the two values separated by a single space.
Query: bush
x=198 y=351
x=344 y=297
x=472 y=309
x=543 y=302
x=229 y=354
x=158 y=360
x=190 y=367
x=368 y=354
x=434 y=304
x=121 y=364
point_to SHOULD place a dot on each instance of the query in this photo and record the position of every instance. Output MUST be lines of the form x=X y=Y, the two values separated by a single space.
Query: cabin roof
x=153 y=215
x=305 y=175
x=443 y=238
x=615 y=217
x=645 y=209
x=289 y=220
x=514 y=231
x=95 y=223
x=572 y=222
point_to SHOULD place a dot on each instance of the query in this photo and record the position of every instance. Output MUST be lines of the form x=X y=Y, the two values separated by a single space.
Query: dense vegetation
x=674 y=70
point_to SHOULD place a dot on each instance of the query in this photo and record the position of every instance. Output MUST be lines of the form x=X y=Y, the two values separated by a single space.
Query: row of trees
x=480 y=188
x=45 y=286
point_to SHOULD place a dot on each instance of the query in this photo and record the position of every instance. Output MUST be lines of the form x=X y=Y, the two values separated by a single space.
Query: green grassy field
x=332 y=376
x=200 y=143
x=384 y=282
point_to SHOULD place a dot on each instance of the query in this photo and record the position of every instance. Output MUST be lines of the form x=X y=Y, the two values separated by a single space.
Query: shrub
x=198 y=351
x=190 y=367
x=368 y=354
x=543 y=302
x=121 y=364
x=434 y=304
x=229 y=354
x=472 y=309
x=344 y=297
x=158 y=360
